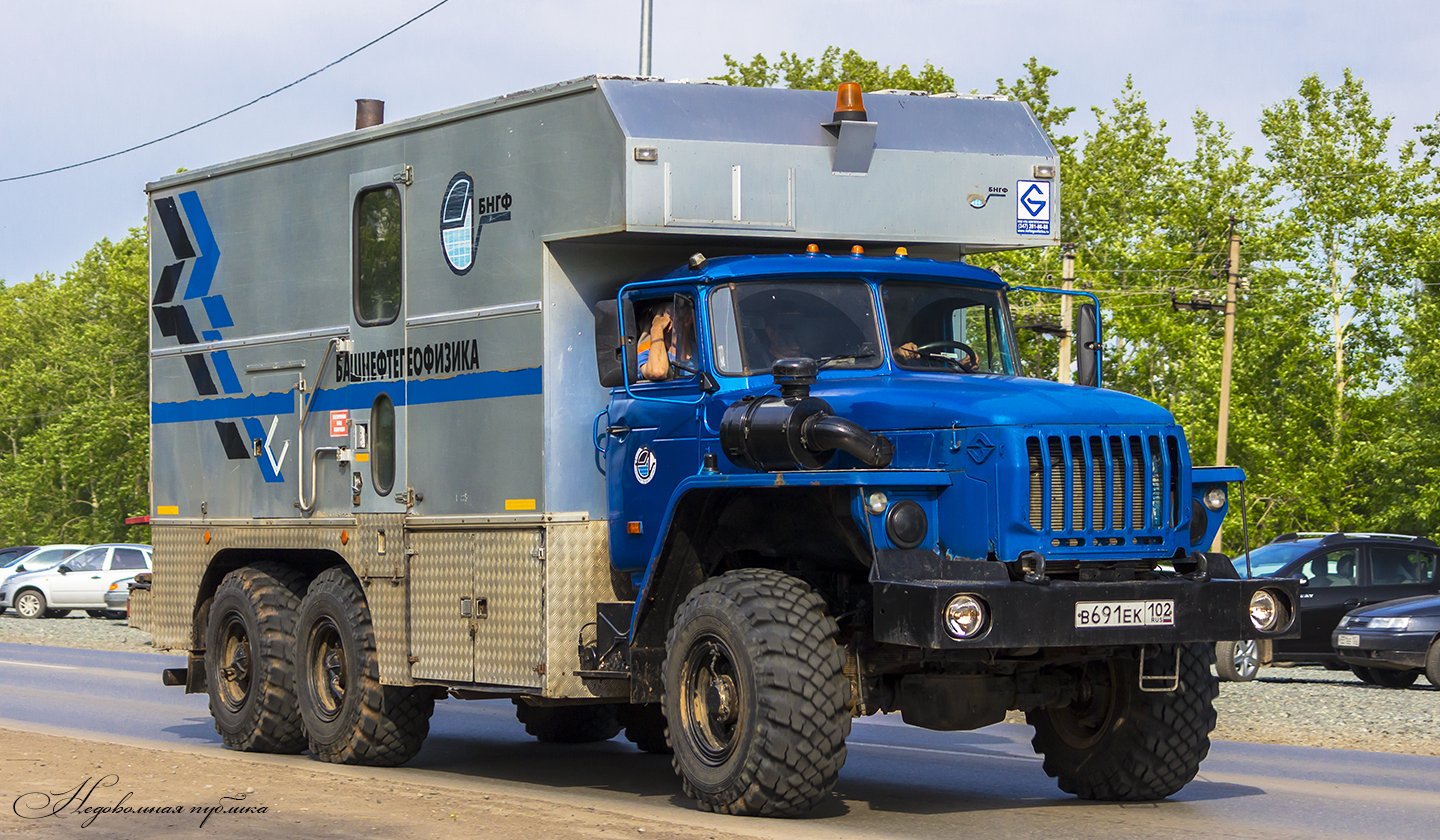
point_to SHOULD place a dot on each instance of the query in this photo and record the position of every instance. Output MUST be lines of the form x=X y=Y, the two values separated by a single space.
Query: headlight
x=906 y=524
x=877 y=503
x=1216 y=497
x=1390 y=623
x=1264 y=611
x=964 y=616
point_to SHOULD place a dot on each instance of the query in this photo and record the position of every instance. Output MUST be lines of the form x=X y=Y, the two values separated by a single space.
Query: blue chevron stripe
x=204 y=270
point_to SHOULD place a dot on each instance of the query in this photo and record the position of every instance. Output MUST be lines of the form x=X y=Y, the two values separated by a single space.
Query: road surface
x=898 y=782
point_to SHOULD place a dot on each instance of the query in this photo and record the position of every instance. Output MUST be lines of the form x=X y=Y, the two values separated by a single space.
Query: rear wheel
x=645 y=727
x=350 y=718
x=583 y=724
x=757 y=704
x=1116 y=742
x=1364 y=674
x=1391 y=678
x=250 y=659
x=30 y=603
x=95 y=613
x=1237 y=661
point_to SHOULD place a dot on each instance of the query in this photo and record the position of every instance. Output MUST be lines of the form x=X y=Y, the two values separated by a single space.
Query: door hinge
x=405 y=176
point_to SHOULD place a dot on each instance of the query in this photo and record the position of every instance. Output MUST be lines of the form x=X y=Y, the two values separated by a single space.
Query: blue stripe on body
x=225 y=369
x=480 y=385
x=217 y=311
x=204 y=270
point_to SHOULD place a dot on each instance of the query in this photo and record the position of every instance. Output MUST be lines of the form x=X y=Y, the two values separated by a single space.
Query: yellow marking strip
x=362 y=457
x=167 y=510
x=519 y=504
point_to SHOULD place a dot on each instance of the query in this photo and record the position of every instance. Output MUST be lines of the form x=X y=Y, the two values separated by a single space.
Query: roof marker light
x=857 y=250
x=849 y=103
x=902 y=251
x=812 y=248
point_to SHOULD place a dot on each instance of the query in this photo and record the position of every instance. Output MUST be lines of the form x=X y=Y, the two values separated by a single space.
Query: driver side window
x=665 y=343
x=1334 y=568
x=88 y=561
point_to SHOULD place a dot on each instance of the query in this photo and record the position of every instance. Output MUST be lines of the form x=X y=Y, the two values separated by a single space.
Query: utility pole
x=647 y=29
x=1232 y=269
x=1067 y=282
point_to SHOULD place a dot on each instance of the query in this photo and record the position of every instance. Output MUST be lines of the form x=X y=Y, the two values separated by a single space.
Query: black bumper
x=1021 y=615
x=1406 y=650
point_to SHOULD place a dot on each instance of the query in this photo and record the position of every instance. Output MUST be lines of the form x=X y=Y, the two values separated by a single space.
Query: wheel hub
x=328 y=676
x=712 y=701
x=235 y=663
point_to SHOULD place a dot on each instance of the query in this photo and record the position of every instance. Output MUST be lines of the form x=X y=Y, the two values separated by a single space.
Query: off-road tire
x=33 y=606
x=581 y=724
x=368 y=723
x=1149 y=746
x=645 y=727
x=1229 y=669
x=1363 y=674
x=790 y=697
x=263 y=598
x=1432 y=663
x=1391 y=678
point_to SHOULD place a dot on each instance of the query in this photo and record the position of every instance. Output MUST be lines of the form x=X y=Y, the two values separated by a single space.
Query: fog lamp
x=877 y=503
x=1215 y=498
x=1264 y=610
x=964 y=616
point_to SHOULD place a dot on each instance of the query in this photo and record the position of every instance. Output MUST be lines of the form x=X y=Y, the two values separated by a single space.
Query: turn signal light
x=849 y=103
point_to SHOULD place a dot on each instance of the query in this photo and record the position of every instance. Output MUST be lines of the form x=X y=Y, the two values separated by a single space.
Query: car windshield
x=831 y=321
x=947 y=328
x=1271 y=558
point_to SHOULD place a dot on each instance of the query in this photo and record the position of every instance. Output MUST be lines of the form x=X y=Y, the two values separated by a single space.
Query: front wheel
x=350 y=718
x=30 y=603
x=1391 y=678
x=1363 y=674
x=1115 y=742
x=754 y=694
x=1237 y=661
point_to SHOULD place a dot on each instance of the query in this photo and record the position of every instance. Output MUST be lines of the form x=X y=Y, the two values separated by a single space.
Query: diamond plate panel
x=577 y=577
x=510 y=576
x=180 y=560
x=442 y=571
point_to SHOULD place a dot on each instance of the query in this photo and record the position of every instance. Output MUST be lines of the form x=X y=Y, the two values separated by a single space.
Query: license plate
x=1347 y=640
x=1124 y=613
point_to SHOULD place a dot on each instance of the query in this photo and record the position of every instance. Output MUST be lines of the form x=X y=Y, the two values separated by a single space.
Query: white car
x=37 y=560
x=79 y=583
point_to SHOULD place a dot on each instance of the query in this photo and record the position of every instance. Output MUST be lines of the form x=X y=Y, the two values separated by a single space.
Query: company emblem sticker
x=644 y=465
x=1032 y=208
x=457 y=230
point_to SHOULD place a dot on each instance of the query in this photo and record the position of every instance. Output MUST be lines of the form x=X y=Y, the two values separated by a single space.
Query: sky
x=81 y=78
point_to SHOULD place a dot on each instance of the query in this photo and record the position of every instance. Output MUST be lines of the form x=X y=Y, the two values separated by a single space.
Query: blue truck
x=677 y=410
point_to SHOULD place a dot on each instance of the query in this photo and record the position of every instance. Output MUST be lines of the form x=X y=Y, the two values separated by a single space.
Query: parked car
x=1338 y=572
x=12 y=553
x=80 y=582
x=117 y=598
x=1393 y=643
x=36 y=560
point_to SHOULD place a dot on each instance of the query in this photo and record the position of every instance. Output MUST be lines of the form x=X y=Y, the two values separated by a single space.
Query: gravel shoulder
x=47 y=782
x=1300 y=706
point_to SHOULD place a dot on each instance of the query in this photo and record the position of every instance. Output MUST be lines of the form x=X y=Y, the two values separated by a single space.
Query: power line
x=234 y=110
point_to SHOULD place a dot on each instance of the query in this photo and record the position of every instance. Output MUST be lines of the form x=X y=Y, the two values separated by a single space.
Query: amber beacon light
x=849 y=103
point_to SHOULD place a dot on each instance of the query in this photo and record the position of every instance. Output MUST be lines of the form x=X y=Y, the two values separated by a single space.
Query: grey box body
x=496 y=387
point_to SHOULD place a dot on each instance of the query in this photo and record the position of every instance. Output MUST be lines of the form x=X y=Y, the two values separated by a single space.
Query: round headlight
x=877 y=503
x=906 y=524
x=964 y=616
x=1215 y=498
x=1264 y=611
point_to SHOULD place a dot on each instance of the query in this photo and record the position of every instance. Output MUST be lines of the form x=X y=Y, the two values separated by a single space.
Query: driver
x=658 y=348
x=912 y=352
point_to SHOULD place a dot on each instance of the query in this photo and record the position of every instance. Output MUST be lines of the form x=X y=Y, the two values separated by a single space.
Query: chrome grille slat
x=1103 y=484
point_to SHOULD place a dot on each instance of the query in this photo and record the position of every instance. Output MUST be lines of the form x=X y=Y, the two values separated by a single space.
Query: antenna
x=647 y=30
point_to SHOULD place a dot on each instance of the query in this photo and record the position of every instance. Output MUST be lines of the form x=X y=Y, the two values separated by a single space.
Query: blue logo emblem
x=1032 y=208
x=457 y=230
x=645 y=465
x=980 y=448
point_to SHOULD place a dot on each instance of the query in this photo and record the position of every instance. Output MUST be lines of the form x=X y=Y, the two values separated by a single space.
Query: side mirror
x=1087 y=355
x=608 y=347
x=63 y=569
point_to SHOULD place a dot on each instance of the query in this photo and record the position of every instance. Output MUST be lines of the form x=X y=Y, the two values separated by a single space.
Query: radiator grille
x=1122 y=482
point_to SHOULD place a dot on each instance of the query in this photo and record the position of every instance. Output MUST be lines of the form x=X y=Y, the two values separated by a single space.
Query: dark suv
x=1338 y=572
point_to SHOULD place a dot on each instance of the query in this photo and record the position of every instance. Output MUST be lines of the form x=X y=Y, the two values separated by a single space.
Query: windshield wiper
x=826 y=361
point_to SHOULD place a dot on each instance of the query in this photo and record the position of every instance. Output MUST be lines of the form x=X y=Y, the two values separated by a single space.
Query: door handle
x=618 y=431
x=1353 y=602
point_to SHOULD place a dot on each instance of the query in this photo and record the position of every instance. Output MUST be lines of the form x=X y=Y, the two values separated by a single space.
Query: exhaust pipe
x=369 y=113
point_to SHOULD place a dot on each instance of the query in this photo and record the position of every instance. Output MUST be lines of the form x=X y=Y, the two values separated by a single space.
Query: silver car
x=36 y=560
x=79 y=583
x=117 y=598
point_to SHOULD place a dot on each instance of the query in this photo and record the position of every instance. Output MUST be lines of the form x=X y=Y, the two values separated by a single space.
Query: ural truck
x=676 y=409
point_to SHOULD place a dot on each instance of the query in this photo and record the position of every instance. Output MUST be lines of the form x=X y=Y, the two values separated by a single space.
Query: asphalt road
x=898 y=782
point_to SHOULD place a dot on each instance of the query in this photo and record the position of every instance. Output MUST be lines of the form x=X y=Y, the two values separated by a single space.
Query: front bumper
x=909 y=611
x=1382 y=647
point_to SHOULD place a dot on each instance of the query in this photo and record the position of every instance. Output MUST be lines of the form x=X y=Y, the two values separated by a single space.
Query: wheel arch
x=310 y=562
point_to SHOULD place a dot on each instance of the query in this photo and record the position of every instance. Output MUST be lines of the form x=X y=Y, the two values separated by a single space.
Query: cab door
x=85 y=576
x=653 y=444
x=371 y=416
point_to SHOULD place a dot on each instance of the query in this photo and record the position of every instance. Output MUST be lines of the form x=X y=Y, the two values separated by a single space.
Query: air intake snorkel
x=795 y=430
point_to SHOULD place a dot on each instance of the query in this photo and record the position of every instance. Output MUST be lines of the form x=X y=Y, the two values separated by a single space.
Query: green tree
x=830 y=69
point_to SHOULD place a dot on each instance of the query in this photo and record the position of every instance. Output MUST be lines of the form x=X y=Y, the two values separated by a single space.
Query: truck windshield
x=941 y=327
x=831 y=321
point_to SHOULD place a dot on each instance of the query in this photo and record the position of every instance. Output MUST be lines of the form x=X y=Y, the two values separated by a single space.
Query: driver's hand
x=660 y=324
x=970 y=364
x=908 y=351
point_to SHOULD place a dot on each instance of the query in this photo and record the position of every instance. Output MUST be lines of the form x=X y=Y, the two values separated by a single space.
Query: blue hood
x=938 y=401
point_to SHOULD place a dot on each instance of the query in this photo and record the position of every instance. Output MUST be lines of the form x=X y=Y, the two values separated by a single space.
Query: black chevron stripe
x=200 y=372
x=231 y=439
x=169 y=280
x=174 y=228
x=174 y=321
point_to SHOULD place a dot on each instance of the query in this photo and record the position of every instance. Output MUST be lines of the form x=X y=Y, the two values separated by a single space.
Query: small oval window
x=382 y=444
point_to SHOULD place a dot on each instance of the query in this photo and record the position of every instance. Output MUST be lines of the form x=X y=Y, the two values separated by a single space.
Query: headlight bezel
x=957 y=609
x=1258 y=598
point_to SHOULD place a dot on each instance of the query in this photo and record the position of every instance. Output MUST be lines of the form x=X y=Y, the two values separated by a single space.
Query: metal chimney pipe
x=369 y=112
x=647 y=27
